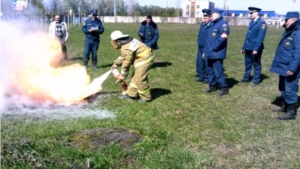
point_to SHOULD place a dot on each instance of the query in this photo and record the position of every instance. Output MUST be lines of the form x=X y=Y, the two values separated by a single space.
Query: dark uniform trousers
x=215 y=73
x=254 y=60
x=288 y=86
x=201 y=65
x=90 y=45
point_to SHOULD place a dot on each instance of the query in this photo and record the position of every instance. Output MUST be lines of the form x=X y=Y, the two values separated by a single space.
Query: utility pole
x=115 y=10
x=166 y=8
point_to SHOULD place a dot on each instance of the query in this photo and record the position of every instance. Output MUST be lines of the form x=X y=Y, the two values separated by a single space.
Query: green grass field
x=183 y=128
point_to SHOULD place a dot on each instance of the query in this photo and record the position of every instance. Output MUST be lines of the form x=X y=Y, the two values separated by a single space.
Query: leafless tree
x=131 y=5
x=54 y=6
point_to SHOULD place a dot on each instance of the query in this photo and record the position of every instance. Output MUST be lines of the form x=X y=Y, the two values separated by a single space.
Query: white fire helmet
x=117 y=35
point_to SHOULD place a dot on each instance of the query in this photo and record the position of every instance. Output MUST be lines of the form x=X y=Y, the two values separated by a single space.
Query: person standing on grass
x=148 y=33
x=215 y=53
x=93 y=28
x=59 y=30
x=202 y=36
x=253 y=46
x=133 y=52
x=286 y=64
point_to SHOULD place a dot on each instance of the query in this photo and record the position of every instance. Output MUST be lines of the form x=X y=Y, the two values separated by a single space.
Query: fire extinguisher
x=116 y=73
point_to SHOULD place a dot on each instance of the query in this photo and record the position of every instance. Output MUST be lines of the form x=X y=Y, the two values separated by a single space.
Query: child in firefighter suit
x=133 y=52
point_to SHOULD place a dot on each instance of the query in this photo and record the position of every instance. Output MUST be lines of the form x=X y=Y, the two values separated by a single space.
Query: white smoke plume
x=29 y=73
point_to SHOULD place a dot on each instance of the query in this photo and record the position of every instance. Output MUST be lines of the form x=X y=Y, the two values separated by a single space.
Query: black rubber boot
x=85 y=63
x=282 y=108
x=223 y=91
x=95 y=65
x=211 y=89
x=291 y=112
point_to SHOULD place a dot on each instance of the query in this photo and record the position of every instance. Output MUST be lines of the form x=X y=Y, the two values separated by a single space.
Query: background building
x=245 y=13
x=193 y=8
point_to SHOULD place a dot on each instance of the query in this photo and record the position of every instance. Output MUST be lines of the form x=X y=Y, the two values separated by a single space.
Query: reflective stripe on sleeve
x=133 y=85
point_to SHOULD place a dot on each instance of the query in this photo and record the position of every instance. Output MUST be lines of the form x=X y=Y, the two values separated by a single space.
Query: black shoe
x=95 y=64
x=205 y=82
x=287 y=117
x=198 y=80
x=244 y=81
x=210 y=89
x=255 y=84
x=291 y=112
x=85 y=64
x=280 y=109
x=223 y=91
x=196 y=75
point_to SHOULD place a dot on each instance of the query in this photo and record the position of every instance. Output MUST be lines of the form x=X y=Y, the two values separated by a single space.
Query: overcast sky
x=279 y=6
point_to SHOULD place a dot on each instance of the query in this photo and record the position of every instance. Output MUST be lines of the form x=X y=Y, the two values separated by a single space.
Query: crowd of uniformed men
x=212 y=45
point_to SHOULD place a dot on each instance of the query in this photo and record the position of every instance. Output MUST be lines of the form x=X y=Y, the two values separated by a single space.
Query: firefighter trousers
x=139 y=85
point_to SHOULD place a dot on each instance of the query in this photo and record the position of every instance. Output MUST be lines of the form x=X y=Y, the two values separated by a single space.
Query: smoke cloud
x=29 y=73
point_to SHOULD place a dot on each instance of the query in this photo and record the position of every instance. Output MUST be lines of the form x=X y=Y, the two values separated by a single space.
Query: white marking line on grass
x=57 y=113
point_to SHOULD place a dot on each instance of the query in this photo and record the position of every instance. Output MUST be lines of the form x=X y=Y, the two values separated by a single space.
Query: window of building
x=198 y=6
x=197 y=12
x=188 y=7
x=187 y=12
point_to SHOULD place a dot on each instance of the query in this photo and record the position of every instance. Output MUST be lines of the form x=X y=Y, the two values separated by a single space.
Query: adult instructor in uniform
x=93 y=28
x=202 y=36
x=253 y=46
x=215 y=53
x=286 y=64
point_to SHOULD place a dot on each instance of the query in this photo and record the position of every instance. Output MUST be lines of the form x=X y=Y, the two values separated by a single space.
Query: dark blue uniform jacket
x=255 y=35
x=88 y=24
x=216 y=45
x=287 y=55
x=202 y=34
x=150 y=33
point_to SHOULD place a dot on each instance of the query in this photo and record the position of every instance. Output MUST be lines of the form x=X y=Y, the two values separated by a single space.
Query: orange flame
x=39 y=80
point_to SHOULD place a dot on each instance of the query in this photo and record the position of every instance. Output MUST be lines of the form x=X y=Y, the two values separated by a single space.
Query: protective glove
x=120 y=80
x=114 y=66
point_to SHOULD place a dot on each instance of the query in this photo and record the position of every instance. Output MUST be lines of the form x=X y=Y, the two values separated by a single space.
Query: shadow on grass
x=263 y=77
x=278 y=101
x=231 y=82
x=76 y=58
x=158 y=92
x=107 y=65
x=161 y=64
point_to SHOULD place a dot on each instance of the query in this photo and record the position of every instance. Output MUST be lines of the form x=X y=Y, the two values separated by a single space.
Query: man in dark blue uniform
x=93 y=28
x=215 y=53
x=148 y=33
x=286 y=63
x=202 y=36
x=253 y=46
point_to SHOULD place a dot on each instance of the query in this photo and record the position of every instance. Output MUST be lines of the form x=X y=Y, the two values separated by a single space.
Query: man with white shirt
x=59 y=30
